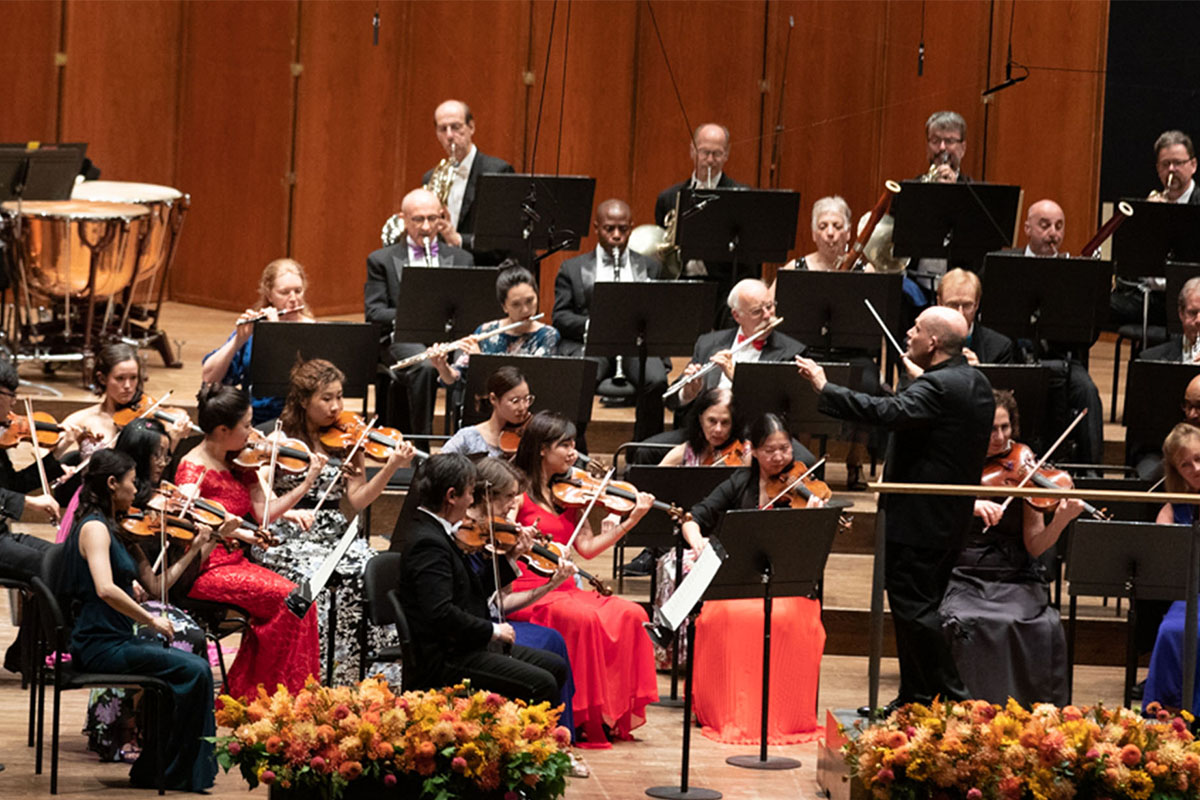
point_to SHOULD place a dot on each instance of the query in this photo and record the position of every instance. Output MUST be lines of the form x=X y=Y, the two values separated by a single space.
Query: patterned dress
x=278 y=647
x=300 y=553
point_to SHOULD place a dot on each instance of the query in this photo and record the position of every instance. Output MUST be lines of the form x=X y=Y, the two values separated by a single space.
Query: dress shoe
x=865 y=711
x=854 y=479
x=641 y=566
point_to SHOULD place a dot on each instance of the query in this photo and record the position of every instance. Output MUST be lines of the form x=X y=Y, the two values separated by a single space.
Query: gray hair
x=735 y=294
x=832 y=204
x=943 y=120
x=1192 y=286
x=1169 y=138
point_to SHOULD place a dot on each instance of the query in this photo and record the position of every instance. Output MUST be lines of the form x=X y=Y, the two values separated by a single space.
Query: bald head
x=455 y=128
x=612 y=224
x=1191 y=401
x=1044 y=225
x=421 y=210
x=938 y=334
x=710 y=150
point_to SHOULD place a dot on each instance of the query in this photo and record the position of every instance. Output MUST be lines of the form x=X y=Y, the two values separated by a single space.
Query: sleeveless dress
x=612 y=660
x=103 y=641
x=301 y=553
x=278 y=647
x=1164 y=681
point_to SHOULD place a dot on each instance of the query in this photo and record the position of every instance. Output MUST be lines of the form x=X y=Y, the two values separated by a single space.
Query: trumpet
x=678 y=385
x=448 y=347
x=941 y=158
x=1162 y=195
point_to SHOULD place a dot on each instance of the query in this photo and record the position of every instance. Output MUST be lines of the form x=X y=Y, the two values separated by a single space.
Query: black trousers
x=1072 y=390
x=410 y=401
x=916 y=580
x=21 y=555
x=530 y=674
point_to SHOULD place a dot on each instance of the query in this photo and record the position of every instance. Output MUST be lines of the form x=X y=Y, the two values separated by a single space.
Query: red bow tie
x=758 y=343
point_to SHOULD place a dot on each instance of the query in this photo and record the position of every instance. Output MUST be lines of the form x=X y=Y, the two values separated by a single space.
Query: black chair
x=383 y=608
x=29 y=626
x=55 y=630
x=217 y=620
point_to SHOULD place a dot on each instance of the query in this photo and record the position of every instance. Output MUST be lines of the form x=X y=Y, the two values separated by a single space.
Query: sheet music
x=692 y=588
x=312 y=586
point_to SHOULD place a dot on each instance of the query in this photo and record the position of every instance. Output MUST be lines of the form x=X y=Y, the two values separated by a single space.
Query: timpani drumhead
x=124 y=192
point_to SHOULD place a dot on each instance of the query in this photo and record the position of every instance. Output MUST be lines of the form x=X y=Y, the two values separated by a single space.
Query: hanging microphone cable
x=670 y=72
x=537 y=130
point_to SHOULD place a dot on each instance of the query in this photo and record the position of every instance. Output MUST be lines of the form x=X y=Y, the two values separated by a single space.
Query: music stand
x=1030 y=385
x=1178 y=273
x=527 y=213
x=44 y=173
x=780 y=389
x=749 y=225
x=439 y=304
x=959 y=222
x=1137 y=560
x=1155 y=234
x=560 y=383
x=278 y=346
x=1153 y=402
x=1055 y=299
x=826 y=309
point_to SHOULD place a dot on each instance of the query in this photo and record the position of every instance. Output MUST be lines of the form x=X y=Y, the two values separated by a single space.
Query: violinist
x=510 y=399
x=714 y=438
x=281 y=289
x=314 y=402
x=98 y=571
x=725 y=627
x=997 y=610
x=612 y=659
x=277 y=647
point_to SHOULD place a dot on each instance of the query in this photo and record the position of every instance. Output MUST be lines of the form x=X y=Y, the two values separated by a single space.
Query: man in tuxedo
x=1175 y=162
x=446 y=602
x=1044 y=224
x=945 y=146
x=612 y=260
x=455 y=128
x=940 y=425
x=1188 y=307
x=962 y=290
x=412 y=410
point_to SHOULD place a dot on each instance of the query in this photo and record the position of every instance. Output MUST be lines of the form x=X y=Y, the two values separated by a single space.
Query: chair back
x=382 y=574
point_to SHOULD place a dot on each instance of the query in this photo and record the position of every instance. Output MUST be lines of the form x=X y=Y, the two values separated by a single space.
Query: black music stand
x=648 y=318
x=1140 y=561
x=685 y=487
x=1052 y=299
x=1155 y=234
x=562 y=384
x=527 y=213
x=279 y=346
x=44 y=173
x=1178 y=273
x=440 y=304
x=1153 y=403
x=826 y=309
x=959 y=222
x=1030 y=384
x=747 y=226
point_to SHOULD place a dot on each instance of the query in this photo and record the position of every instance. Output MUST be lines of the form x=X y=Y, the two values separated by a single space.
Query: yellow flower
x=474 y=756
x=1140 y=785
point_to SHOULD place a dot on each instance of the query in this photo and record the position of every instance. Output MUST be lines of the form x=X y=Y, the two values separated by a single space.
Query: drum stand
x=153 y=335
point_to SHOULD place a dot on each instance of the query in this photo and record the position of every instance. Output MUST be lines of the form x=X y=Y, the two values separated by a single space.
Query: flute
x=441 y=349
x=678 y=385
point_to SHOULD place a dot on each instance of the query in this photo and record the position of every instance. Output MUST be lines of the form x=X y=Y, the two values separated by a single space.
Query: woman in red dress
x=612 y=658
x=729 y=633
x=279 y=647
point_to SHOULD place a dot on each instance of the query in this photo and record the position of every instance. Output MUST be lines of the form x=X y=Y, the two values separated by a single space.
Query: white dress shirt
x=416 y=253
x=606 y=273
x=1187 y=193
x=458 y=186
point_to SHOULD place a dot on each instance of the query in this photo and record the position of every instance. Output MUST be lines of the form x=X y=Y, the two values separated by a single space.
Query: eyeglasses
x=7 y=393
x=765 y=308
x=163 y=456
x=527 y=400
x=1167 y=163
x=433 y=220
x=948 y=141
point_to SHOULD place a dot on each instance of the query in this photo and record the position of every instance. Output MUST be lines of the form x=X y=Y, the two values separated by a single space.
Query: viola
x=734 y=454
x=348 y=428
x=801 y=492
x=170 y=499
x=16 y=430
x=575 y=489
x=291 y=455
x=1011 y=467
x=138 y=408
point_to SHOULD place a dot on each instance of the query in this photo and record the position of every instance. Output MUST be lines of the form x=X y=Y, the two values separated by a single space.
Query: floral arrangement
x=448 y=743
x=974 y=750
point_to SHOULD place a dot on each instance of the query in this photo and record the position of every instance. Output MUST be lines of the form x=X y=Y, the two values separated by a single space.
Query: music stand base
x=677 y=793
x=771 y=762
x=668 y=702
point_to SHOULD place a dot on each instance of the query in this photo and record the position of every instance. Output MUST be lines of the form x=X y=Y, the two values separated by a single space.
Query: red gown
x=612 y=658
x=278 y=647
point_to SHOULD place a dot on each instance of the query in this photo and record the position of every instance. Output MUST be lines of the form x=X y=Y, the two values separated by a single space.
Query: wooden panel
x=348 y=126
x=234 y=142
x=121 y=86
x=1046 y=130
x=28 y=42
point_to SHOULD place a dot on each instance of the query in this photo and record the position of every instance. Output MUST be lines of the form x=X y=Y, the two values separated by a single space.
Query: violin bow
x=37 y=449
x=591 y=504
x=362 y=437
x=1029 y=475
x=793 y=484
x=487 y=492
x=269 y=488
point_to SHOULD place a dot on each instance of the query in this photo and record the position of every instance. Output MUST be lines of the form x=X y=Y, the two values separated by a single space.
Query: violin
x=148 y=524
x=291 y=455
x=801 y=492
x=510 y=438
x=168 y=416
x=734 y=454
x=16 y=430
x=542 y=558
x=348 y=429
x=575 y=489
x=1011 y=467
x=171 y=500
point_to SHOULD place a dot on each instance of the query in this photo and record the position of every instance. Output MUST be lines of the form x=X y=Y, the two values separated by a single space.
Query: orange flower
x=274 y=744
x=350 y=770
x=1131 y=755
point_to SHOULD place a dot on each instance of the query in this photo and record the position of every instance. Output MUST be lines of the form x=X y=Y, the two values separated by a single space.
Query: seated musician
x=996 y=610
x=713 y=434
x=1183 y=348
x=517 y=292
x=612 y=261
x=381 y=292
x=832 y=230
x=281 y=291
x=728 y=644
x=446 y=601
x=510 y=399
x=1147 y=461
x=945 y=146
x=962 y=290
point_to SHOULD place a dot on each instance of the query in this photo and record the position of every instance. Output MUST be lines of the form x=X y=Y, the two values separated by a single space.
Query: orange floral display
x=446 y=743
x=974 y=750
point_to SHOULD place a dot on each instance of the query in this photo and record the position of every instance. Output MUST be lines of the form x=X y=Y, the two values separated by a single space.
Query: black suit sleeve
x=707 y=513
x=378 y=306
x=916 y=406
x=25 y=480
x=433 y=573
x=571 y=322
x=12 y=504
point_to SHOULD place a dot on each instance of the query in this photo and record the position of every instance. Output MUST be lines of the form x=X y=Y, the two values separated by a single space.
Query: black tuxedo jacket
x=482 y=164
x=1170 y=350
x=991 y=346
x=386 y=266
x=573 y=291
x=940 y=425
x=778 y=347
x=666 y=198
x=444 y=601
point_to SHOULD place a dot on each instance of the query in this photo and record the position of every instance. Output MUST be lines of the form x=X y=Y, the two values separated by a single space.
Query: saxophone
x=443 y=175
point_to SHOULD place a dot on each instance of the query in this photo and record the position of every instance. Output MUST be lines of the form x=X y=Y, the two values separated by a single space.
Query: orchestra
x=164 y=513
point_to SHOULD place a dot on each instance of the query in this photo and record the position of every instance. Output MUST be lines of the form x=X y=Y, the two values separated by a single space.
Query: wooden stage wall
x=295 y=135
